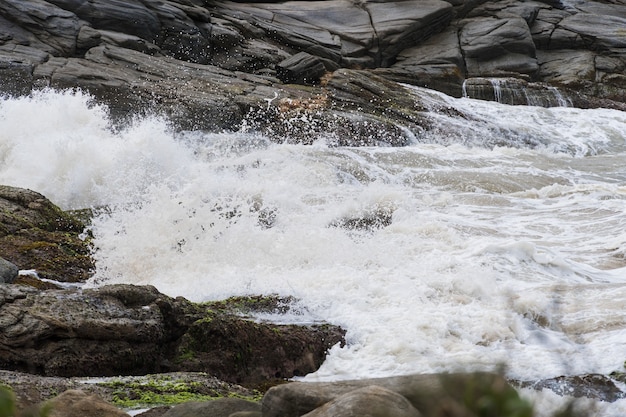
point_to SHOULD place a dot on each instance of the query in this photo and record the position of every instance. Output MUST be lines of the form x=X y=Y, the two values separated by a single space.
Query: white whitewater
x=507 y=241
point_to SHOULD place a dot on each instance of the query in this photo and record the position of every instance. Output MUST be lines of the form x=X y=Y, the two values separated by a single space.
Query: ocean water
x=497 y=238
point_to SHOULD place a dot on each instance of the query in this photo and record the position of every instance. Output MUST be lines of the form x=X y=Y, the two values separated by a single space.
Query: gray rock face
x=8 y=271
x=498 y=47
x=367 y=34
x=215 y=64
x=301 y=68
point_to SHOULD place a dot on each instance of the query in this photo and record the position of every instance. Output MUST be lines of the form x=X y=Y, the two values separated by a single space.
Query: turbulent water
x=496 y=238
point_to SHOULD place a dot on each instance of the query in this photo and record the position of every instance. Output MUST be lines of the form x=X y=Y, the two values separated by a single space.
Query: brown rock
x=371 y=401
x=76 y=403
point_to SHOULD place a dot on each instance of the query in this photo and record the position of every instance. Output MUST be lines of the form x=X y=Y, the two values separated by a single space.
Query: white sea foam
x=493 y=254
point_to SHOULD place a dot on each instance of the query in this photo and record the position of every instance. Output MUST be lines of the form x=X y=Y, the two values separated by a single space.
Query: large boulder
x=436 y=63
x=498 y=47
x=8 y=271
x=36 y=234
x=76 y=403
x=128 y=330
x=430 y=394
x=367 y=34
x=372 y=401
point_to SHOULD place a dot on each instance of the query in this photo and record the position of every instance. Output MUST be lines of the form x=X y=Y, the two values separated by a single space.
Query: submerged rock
x=596 y=386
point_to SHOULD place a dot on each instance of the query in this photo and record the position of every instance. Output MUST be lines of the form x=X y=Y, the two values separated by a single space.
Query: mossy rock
x=170 y=389
x=37 y=235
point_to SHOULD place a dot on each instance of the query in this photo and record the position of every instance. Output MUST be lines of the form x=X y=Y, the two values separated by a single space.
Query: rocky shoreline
x=294 y=71
x=214 y=65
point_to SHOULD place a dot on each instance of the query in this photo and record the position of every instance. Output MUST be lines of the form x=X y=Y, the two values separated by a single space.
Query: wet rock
x=516 y=92
x=372 y=401
x=250 y=353
x=8 y=271
x=595 y=386
x=217 y=65
x=370 y=221
x=36 y=234
x=223 y=407
x=126 y=330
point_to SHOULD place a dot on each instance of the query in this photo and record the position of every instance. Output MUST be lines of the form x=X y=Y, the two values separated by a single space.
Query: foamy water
x=507 y=240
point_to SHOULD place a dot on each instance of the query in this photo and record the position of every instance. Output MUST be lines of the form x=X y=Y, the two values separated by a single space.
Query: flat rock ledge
x=134 y=330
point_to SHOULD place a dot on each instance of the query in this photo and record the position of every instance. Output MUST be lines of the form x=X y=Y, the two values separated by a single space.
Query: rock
x=251 y=353
x=595 y=386
x=145 y=391
x=219 y=65
x=125 y=330
x=370 y=221
x=76 y=403
x=155 y=412
x=371 y=401
x=497 y=46
x=569 y=68
x=36 y=234
x=516 y=92
x=428 y=393
x=223 y=407
x=47 y=27
x=374 y=33
x=8 y=271
x=302 y=68
x=247 y=414
x=436 y=63
x=598 y=31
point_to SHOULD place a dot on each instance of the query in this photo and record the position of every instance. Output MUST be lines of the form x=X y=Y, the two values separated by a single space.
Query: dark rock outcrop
x=130 y=330
x=36 y=234
x=215 y=64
